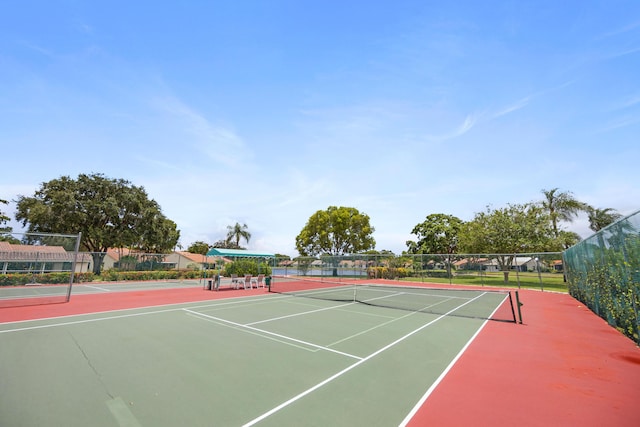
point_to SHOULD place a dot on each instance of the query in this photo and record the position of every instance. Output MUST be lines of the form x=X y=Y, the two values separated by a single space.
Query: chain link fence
x=603 y=272
x=531 y=270
x=44 y=263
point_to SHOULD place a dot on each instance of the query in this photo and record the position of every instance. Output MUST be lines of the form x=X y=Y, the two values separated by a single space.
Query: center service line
x=348 y=368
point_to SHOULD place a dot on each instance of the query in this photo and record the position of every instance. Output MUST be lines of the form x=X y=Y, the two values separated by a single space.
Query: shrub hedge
x=19 y=279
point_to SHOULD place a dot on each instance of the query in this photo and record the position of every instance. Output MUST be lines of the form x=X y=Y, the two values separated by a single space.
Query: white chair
x=247 y=281
x=234 y=281
x=258 y=281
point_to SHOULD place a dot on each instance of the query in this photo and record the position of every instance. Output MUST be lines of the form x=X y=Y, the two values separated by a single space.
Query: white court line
x=304 y=313
x=348 y=368
x=97 y=287
x=176 y=307
x=426 y=395
x=281 y=341
x=252 y=300
x=121 y=412
x=78 y=322
x=385 y=323
x=395 y=319
x=34 y=296
x=262 y=331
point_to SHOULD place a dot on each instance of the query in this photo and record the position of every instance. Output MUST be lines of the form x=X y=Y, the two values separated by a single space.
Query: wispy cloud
x=512 y=108
x=83 y=27
x=476 y=118
x=620 y=30
x=37 y=48
x=469 y=122
x=161 y=164
x=219 y=143
x=356 y=120
x=466 y=126
x=623 y=52
x=629 y=102
x=621 y=122
x=301 y=190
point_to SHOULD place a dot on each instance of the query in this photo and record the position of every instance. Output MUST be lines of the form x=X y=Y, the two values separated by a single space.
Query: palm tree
x=237 y=232
x=600 y=218
x=561 y=206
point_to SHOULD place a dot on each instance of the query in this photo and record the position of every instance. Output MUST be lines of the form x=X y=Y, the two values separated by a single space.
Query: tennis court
x=258 y=358
x=20 y=296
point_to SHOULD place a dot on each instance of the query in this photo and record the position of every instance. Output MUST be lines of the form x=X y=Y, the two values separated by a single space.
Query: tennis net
x=477 y=304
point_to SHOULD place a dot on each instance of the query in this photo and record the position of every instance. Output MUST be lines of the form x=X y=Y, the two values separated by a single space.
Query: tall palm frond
x=237 y=232
x=561 y=206
x=600 y=218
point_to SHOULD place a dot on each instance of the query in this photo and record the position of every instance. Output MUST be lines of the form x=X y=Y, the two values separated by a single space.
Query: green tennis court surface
x=35 y=291
x=19 y=296
x=269 y=360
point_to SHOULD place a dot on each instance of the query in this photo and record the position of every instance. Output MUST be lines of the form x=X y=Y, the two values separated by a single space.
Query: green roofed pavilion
x=238 y=253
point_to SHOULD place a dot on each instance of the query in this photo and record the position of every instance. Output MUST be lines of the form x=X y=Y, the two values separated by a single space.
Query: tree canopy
x=336 y=231
x=4 y=219
x=437 y=234
x=110 y=213
x=199 y=247
x=5 y=231
x=507 y=231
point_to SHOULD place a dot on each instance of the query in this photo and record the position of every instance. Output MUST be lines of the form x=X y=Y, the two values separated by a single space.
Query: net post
x=513 y=313
x=519 y=305
x=73 y=266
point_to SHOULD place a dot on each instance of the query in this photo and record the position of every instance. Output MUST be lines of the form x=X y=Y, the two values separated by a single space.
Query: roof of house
x=199 y=258
x=470 y=261
x=117 y=253
x=239 y=253
x=12 y=252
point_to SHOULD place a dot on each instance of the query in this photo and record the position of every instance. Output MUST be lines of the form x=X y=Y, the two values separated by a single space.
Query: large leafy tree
x=237 y=232
x=199 y=247
x=561 y=206
x=508 y=231
x=336 y=231
x=600 y=218
x=437 y=234
x=110 y=213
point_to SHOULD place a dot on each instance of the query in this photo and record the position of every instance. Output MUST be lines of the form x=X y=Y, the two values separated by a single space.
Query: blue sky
x=263 y=112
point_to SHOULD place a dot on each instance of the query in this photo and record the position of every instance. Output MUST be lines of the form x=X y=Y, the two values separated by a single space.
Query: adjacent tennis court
x=368 y=355
x=20 y=296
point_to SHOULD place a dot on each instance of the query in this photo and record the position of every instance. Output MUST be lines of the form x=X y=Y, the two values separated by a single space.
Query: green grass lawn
x=546 y=281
